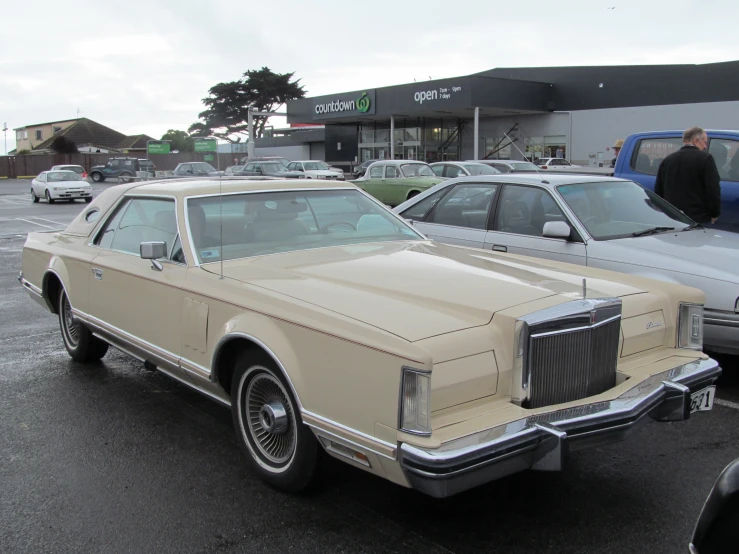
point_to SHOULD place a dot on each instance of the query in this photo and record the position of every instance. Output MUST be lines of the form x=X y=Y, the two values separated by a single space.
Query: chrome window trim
x=197 y=263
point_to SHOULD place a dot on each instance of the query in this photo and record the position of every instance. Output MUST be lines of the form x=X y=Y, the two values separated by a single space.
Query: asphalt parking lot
x=112 y=458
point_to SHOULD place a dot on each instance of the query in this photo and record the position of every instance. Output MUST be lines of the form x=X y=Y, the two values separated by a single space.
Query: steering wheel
x=325 y=228
x=592 y=218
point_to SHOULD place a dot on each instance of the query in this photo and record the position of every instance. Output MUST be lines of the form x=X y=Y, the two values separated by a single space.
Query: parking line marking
x=726 y=403
x=34 y=223
x=42 y=219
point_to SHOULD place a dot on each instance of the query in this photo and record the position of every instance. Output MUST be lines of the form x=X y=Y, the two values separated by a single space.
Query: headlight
x=415 y=402
x=690 y=326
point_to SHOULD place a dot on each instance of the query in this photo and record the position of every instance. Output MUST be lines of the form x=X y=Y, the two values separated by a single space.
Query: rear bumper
x=721 y=331
x=543 y=441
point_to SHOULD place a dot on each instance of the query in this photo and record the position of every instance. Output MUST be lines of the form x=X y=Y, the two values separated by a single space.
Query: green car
x=393 y=182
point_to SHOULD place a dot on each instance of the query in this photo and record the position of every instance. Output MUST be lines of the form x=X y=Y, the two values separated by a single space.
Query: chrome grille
x=568 y=352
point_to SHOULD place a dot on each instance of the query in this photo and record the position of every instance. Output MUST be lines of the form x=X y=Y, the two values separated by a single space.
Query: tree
x=180 y=140
x=227 y=103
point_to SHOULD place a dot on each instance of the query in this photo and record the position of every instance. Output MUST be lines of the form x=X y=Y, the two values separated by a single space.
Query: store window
x=497 y=148
x=726 y=154
x=650 y=152
x=554 y=146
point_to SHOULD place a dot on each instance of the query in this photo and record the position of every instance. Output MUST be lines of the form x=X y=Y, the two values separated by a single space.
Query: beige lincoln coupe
x=326 y=322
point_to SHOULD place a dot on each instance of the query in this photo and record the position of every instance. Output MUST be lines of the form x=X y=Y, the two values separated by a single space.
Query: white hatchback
x=60 y=185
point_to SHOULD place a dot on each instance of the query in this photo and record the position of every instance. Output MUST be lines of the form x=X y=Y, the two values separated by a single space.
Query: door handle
x=500 y=248
x=98 y=273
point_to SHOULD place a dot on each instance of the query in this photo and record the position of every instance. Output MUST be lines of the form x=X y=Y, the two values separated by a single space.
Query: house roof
x=86 y=131
x=47 y=123
x=134 y=142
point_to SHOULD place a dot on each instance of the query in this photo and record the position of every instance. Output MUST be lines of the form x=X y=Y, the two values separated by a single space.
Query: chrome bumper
x=543 y=442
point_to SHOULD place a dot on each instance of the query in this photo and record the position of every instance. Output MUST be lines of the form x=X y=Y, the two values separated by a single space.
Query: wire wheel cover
x=276 y=446
x=70 y=325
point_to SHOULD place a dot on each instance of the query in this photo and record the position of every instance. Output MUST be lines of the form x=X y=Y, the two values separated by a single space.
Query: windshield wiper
x=651 y=231
x=693 y=226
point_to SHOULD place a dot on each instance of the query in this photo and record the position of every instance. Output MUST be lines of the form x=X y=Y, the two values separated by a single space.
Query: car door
x=129 y=297
x=725 y=151
x=373 y=184
x=111 y=168
x=457 y=214
x=392 y=189
x=39 y=184
x=520 y=216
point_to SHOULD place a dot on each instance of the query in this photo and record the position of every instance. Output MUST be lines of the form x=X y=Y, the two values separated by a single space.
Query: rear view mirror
x=717 y=529
x=153 y=250
x=556 y=230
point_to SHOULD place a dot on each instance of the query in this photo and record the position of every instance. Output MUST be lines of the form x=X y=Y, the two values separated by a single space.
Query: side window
x=418 y=211
x=249 y=167
x=649 y=153
x=114 y=163
x=292 y=166
x=105 y=237
x=466 y=206
x=525 y=210
x=452 y=171
x=42 y=177
x=502 y=168
x=726 y=154
x=391 y=172
x=438 y=170
x=144 y=220
x=186 y=168
x=376 y=172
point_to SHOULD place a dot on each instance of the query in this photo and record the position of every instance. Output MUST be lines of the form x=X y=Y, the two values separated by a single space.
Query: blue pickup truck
x=642 y=153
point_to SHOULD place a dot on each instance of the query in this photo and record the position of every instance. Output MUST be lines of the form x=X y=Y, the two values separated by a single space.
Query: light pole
x=5 y=132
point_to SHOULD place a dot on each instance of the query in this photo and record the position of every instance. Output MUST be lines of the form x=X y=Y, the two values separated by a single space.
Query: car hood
x=417 y=289
x=708 y=252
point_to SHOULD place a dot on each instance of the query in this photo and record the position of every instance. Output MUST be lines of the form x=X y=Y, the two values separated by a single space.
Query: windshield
x=273 y=166
x=481 y=169
x=417 y=170
x=524 y=166
x=272 y=222
x=313 y=166
x=617 y=209
x=56 y=176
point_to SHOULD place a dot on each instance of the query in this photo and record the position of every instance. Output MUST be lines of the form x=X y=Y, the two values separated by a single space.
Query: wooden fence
x=15 y=167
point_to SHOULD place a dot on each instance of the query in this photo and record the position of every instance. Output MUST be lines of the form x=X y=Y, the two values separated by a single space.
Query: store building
x=572 y=112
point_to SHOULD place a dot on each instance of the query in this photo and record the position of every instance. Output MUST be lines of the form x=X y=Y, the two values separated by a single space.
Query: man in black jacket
x=689 y=179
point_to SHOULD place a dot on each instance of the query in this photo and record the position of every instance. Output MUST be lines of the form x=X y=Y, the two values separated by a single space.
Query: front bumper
x=721 y=331
x=543 y=442
x=66 y=194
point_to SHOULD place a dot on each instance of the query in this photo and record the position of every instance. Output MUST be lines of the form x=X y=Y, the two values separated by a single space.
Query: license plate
x=702 y=400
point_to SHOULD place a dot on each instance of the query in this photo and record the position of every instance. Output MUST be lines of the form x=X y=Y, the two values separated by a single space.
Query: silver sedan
x=600 y=222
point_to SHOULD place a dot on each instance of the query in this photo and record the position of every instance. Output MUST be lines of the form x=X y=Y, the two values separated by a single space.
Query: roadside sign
x=205 y=145
x=158 y=147
x=208 y=158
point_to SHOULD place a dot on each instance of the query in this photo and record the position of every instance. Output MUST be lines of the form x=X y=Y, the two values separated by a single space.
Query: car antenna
x=220 y=204
x=524 y=157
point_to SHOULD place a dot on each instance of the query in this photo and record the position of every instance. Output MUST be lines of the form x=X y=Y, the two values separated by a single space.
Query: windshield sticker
x=210 y=253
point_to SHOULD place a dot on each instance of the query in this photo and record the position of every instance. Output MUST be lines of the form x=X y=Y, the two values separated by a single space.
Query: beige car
x=327 y=322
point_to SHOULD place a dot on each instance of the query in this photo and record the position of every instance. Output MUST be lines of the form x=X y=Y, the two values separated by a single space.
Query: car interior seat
x=516 y=218
x=450 y=214
x=278 y=223
x=643 y=164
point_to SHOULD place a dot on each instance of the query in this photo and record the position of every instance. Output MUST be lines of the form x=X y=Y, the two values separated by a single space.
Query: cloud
x=145 y=67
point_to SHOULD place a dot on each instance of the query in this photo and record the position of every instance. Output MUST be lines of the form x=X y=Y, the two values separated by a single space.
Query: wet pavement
x=112 y=458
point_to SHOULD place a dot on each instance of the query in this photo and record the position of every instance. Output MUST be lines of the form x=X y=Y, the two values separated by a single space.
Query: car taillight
x=84 y=174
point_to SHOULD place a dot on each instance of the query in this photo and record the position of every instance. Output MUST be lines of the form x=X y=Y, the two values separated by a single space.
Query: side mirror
x=556 y=230
x=152 y=251
x=717 y=529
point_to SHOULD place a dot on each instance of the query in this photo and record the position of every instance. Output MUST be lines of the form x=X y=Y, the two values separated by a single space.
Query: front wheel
x=49 y=199
x=279 y=447
x=34 y=198
x=88 y=199
x=79 y=341
x=97 y=177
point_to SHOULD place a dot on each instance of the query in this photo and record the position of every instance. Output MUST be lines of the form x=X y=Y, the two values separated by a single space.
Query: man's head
x=695 y=136
x=617 y=146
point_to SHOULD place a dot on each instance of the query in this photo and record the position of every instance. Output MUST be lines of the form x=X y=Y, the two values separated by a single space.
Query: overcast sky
x=143 y=67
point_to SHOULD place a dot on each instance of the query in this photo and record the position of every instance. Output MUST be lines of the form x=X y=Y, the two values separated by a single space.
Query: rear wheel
x=49 y=199
x=34 y=198
x=97 y=177
x=81 y=345
x=279 y=447
x=125 y=177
